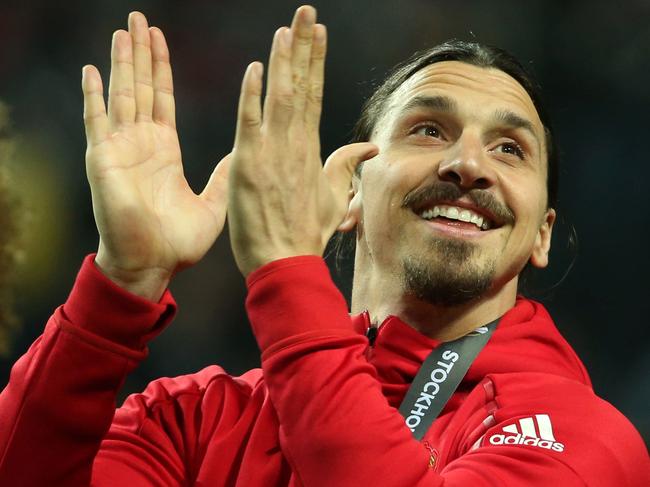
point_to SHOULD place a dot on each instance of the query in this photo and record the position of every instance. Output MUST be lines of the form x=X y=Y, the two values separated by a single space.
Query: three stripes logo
x=532 y=431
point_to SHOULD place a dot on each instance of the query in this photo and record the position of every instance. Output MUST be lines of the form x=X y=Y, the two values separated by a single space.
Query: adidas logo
x=532 y=431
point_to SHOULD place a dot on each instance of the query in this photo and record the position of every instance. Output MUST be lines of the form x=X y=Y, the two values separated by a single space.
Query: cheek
x=385 y=184
x=529 y=213
x=524 y=192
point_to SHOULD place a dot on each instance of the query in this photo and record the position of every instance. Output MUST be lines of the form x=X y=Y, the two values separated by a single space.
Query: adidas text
x=499 y=439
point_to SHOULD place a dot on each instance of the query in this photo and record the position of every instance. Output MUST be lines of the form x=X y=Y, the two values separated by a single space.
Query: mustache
x=444 y=191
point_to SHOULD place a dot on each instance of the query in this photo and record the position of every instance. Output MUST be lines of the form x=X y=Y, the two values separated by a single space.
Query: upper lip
x=494 y=220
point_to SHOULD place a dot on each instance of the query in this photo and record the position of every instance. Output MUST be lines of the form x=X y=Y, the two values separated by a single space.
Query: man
x=450 y=205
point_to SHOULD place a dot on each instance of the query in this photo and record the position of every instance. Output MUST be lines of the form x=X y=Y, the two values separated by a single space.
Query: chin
x=447 y=281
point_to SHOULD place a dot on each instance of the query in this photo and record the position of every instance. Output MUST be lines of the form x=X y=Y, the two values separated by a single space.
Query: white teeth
x=455 y=213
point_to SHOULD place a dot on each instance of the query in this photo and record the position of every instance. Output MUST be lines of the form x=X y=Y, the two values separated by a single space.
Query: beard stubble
x=452 y=277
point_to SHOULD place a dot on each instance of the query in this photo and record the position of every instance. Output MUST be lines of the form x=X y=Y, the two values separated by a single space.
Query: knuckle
x=255 y=91
x=318 y=52
x=142 y=43
x=144 y=81
x=301 y=66
x=90 y=117
x=316 y=94
x=249 y=120
x=141 y=116
x=125 y=92
x=125 y=63
x=304 y=38
x=301 y=87
x=165 y=90
x=283 y=100
x=300 y=84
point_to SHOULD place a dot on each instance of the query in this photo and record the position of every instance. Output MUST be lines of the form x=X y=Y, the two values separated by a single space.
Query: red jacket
x=321 y=412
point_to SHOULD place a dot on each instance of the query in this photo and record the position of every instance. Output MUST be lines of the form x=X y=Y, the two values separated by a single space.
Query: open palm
x=151 y=223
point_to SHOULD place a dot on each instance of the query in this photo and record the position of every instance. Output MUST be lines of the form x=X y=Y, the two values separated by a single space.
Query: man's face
x=455 y=202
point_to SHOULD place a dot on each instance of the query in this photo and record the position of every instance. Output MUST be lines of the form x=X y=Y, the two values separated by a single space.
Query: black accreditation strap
x=439 y=377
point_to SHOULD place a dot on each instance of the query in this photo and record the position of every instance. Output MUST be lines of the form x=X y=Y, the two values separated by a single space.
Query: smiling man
x=442 y=376
x=458 y=197
x=460 y=381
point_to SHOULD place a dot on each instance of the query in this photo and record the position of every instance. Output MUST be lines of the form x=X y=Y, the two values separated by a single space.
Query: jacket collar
x=525 y=340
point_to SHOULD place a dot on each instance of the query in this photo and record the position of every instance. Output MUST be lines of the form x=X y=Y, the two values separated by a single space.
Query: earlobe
x=353 y=216
x=539 y=256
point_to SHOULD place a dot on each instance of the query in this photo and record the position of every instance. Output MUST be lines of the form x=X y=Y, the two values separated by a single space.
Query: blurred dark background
x=592 y=59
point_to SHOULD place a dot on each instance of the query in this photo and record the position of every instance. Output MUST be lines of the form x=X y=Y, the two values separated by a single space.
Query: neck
x=384 y=296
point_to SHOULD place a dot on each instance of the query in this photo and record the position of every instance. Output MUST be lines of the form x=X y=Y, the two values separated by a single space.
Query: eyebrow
x=446 y=104
x=514 y=121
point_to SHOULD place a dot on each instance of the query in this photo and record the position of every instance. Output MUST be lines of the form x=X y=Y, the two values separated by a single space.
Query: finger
x=302 y=28
x=121 y=98
x=142 y=72
x=215 y=193
x=339 y=167
x=316 y=79
x=278 y=104
x=164 y=108
x=249 y=113
x=95 y=119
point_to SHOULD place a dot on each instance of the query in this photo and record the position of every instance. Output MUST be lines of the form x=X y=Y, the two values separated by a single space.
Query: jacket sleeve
x=336 y=427
x=60 y=398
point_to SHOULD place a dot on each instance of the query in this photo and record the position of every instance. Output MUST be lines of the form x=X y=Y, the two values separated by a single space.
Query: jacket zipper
x=371 y=334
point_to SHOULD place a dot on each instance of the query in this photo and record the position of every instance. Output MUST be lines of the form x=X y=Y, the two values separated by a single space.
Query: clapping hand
x=151 y=224
x=283 y=202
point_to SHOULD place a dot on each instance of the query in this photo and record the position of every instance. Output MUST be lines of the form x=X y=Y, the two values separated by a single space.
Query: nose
x=467 y=165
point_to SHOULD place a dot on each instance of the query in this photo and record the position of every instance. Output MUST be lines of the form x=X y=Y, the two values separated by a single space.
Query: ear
x=539 y=257
x=353 y=216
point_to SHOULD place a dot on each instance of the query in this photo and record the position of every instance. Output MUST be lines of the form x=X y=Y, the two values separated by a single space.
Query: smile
x=455 y=213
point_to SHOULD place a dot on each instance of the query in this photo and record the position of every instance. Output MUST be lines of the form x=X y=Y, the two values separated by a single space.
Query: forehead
x=473 y=88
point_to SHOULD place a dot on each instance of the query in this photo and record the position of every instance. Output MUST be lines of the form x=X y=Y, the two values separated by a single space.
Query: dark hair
x=467 y=52
x=9 y=234
x=470 y=53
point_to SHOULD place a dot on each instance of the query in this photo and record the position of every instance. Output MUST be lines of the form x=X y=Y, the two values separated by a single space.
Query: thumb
x=340 y=166
x=215 y=193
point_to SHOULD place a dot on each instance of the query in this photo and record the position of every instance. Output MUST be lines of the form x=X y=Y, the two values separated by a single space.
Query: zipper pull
x=371 y=334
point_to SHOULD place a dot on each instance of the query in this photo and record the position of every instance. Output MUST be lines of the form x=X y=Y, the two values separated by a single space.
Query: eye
x=427 y=130
x=511 y=148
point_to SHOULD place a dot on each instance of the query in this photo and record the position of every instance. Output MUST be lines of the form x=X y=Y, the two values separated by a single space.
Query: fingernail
x=256 y=70
x=286 y=36
x=307 y=13
x=319 y=32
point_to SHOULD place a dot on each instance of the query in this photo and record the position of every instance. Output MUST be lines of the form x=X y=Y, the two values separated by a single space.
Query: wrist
x=149 y=283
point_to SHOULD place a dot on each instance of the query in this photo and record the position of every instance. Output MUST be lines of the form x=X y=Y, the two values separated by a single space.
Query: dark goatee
x=452 y=279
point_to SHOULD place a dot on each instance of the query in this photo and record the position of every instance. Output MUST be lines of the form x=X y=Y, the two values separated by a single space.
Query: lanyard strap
x=438 y=378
